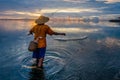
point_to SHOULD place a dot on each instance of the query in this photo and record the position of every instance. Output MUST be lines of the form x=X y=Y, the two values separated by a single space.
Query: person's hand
x=29 y=34
x=64 y=34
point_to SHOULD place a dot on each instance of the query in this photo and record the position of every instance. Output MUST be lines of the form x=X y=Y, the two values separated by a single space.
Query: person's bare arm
x=56 y=33
x=30 y=33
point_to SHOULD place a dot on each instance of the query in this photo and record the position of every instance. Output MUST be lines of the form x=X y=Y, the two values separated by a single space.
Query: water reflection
x=29 y=70
x=13 y=25
x=36 y=74
x=110 y=42
x=94 y=58
x=76 y=30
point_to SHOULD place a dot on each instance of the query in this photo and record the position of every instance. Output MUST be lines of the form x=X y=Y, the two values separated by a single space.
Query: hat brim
x=42 y=20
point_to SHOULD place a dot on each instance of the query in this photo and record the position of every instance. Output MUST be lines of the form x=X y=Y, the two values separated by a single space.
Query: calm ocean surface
x=95 y=58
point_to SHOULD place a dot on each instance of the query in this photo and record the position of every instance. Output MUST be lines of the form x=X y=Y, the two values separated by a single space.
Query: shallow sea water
x=95 y=58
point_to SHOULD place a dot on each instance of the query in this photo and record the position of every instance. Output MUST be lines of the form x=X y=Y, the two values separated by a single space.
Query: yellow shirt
x=41 y=31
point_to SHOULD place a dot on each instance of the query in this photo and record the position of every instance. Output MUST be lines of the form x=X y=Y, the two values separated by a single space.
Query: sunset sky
x=34 y=8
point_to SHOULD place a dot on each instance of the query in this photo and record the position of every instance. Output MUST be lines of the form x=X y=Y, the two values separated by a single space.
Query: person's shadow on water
x=36 y=74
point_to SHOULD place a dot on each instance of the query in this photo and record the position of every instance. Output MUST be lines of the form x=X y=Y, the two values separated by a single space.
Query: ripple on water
x=54 y=63
x=25 y=67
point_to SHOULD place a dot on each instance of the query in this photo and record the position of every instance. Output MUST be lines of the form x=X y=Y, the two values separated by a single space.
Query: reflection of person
x=36 y=74
x=40 y=31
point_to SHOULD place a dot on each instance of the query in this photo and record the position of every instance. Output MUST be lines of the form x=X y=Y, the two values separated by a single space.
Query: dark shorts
x=39 y=53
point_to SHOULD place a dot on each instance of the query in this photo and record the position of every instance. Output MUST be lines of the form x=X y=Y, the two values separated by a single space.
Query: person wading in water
x=40 y=30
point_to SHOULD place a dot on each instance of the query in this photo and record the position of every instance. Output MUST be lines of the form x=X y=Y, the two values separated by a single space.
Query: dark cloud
x=28 y=4
x=33 y=5
x=10 y=4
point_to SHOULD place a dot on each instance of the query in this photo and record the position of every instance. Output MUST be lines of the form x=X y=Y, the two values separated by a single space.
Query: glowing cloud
x=37 y=12
x=69 y=10
x=20 y=13
x=110 y=1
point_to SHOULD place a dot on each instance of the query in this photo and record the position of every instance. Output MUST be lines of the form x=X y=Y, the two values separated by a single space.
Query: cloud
x=26 y=8
x=110 y=1
x=76 y=1
x=35 y=13
x=20 y=13
x=69 y=10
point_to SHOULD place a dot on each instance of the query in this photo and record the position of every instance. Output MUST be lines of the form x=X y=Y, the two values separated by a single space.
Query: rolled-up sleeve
x=50 y=31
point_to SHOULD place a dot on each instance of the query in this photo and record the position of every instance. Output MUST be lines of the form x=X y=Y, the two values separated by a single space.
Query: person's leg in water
x=35 y=56
x=41 y=57
x=40 y=63
x=37 y=61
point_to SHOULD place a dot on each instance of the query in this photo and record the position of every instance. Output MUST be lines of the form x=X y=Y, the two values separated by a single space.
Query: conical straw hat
x=41 y=20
